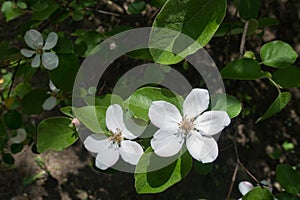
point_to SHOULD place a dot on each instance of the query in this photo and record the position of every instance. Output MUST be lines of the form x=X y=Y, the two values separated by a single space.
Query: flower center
x=39 y=49
x=116 y=138
x=186 y=125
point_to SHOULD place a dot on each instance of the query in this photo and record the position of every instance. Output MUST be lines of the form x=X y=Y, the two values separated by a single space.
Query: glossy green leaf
x=33 y=101
x=104 y=101
x=280 y=102
x=288 y=178
x=93 y=117
x=55 y=134
x=140 y=101
x=287 y=77
x=252 y=26
x=259 y=193
x=244 y=69
x=160 y=180
x=64 y=75
x=67 y=111
x=248 y=9
x=13 y=119
x=278 y=54
x=43 y=9
x=183 y=16
x=10 y=10
x=226 y=103
x=136 y=7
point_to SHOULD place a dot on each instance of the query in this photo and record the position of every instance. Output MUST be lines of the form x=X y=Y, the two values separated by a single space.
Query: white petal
x=196 y=102
x=114 y=121
x=51 y=41
x=33 y=38
x=204 y=149
x=166 y=143
x=94 y=144
x=36 y=61
x=20 y=137
x=245 y=187
x=27 y=53
x=107 y=158
x=49 y=60
x=52 y=86
x=131 y=151
x=212 y=122
x=164 y=114
x=49 y=103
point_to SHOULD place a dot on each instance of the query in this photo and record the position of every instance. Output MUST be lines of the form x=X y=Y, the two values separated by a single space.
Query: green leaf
x=64 y=45
x=16 y=148
x=287 y=77
x=136 y=7
x=33 y=101
x=67 y=111
x=13 y=119
x=93 y=117
x=288 y=178
x=252 y=26
x=248 y=9
x=278 y=54
x=10 y=10
x=55 y=134
x=183 y=16
x=244 y=69
x=280 y=102
x=64 y=75
x=22 y=89
x=140 y=101
x=158 y=3
x=286 y=196
x=162 y=179
x=8 y=159
x=43 y=9
x=227 y=103
x=104 y=101
x=267 y=21
x=259 y=193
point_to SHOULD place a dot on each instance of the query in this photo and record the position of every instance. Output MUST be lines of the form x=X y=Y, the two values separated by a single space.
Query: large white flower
x=194 y=127
x=108 y=150
x=34 y=40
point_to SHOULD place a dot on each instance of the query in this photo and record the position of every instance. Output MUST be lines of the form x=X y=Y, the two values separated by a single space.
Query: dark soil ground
x=69 y=174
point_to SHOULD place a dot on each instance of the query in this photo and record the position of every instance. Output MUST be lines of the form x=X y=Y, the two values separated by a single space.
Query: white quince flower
x=194 y=127
x=20 y=137
x=108 y=150
x=34 y=40
x=51 y=102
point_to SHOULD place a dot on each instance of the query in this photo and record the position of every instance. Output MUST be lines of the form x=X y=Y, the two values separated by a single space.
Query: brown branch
x=243 y=40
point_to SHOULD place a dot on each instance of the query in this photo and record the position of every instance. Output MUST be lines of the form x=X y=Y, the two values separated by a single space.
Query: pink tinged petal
x=204 y=149
x=107 y=158
x=51 y=41
x=33 y=38
x=166 y=143
x=212 y=122
x=114 y=121
x=27 y=53
x=49 y=103
x=245 y=187
x=95 y=145
x=164 y=114
x=36 y=61
x=49 y=60
x=131 y=151
x=52 y=86
x=196 y=102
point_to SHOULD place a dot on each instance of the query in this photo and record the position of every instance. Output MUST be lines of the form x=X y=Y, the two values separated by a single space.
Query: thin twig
x=13 y=78
x=249 y=173
x=243 y=40
x=232 y=181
